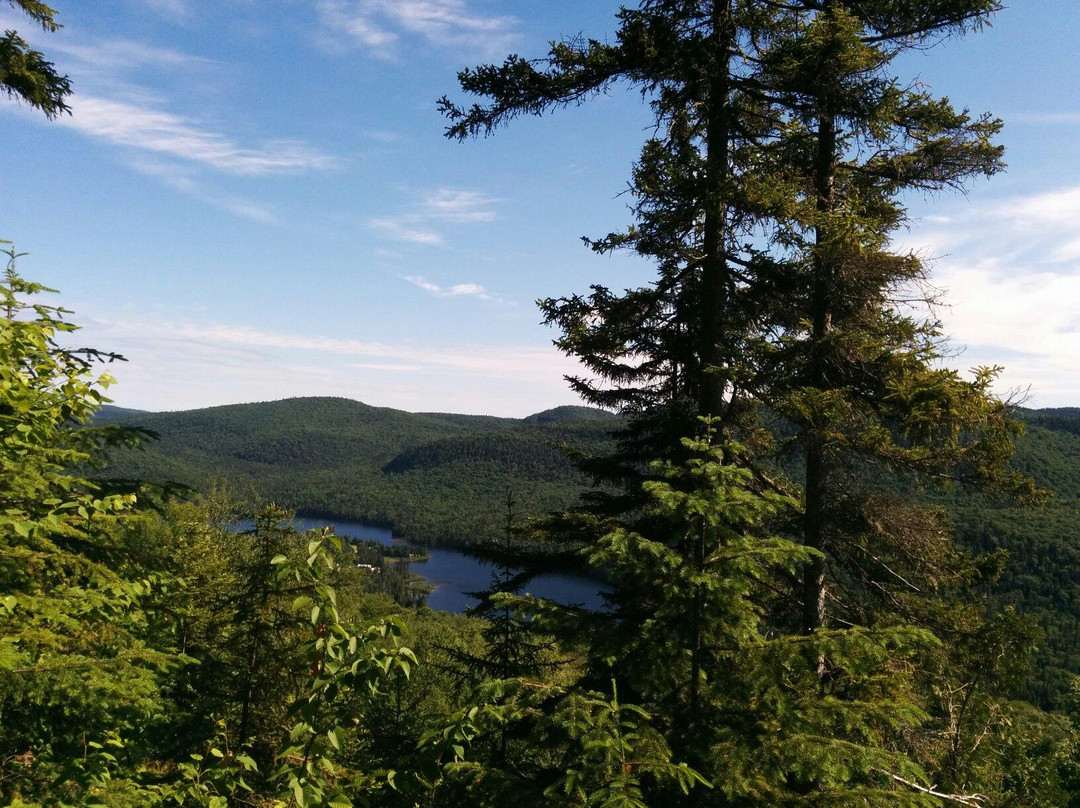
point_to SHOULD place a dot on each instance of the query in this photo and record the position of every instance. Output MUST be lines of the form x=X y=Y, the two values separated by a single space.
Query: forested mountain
x=111 y=414
x=1065 y=419
x=791 y=618
x=432 y=477
x=443 y=478
x=1042 y=575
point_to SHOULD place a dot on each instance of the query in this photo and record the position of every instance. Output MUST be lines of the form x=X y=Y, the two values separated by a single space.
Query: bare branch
x=973 y=800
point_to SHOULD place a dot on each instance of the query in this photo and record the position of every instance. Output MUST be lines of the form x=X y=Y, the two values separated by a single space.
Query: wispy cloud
x=438 y=209
x=476 y=360
x=184 y=180
x=403 y=229
x=148 y=129
x=123 y=55
x=456 y=290
x=1050 y=209
x=378 y=25
x=181 y=364
x=175 y=10
x=459 y=207
x=112 y=108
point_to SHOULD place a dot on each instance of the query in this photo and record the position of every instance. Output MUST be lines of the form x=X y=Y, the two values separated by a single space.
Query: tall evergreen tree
x=514 y=648
x=768 y=205
x=859 y=378
x=679 y=348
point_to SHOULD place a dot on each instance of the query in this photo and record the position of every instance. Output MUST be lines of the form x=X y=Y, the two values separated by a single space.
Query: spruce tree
x=768 y=204
x=861 y=379
x=514 y=648
x=676 y=349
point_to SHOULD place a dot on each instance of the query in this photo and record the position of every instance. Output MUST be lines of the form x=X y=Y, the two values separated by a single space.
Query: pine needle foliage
x=25 y=74
x=768 y=198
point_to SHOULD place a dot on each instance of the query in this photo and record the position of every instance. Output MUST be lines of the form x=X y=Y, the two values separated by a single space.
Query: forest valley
x=791 y=621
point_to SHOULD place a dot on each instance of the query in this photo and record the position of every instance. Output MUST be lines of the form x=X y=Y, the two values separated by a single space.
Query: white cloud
x=457 y=290
x=484 y=361
x=401 y=230
x=117 y=56
x=1060 y=207
x=1067 y=252
x=458 y=207
x=339 y=18
x=129 y=115
x=1025 y=321
x=378 y=25
x=437 y=210
x=163 y=132
x=184 y=180
x=386 y=367
x=1010 y=270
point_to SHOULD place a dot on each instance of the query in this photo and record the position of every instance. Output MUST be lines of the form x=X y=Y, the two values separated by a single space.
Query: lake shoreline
x=453 y=572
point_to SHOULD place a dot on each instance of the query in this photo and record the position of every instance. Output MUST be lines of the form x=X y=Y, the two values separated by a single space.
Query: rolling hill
x=444 y=478
x=432 y=477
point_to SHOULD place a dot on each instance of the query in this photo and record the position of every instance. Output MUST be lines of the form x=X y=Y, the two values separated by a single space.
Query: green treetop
x=25 y=73
x=71 y=626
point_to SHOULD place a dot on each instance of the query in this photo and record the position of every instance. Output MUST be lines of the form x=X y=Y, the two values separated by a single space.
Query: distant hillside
x=432 y=477
x=1066 y=419
x=443 y=478
x=568 y=415
x=109 y=414
x=1042 y=578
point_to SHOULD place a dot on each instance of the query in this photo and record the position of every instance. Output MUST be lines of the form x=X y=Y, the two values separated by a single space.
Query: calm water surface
x=453 y=573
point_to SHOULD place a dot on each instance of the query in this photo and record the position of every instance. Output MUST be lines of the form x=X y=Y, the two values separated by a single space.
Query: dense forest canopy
x=433 y=478
x=451 y=489
x=804 y=516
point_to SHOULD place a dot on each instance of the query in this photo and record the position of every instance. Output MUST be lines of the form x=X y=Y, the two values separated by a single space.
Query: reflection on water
x=453 y=573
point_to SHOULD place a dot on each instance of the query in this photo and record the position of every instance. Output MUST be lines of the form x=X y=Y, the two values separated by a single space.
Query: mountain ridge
x=444 y=479
x=433 y=477
x=562 y=412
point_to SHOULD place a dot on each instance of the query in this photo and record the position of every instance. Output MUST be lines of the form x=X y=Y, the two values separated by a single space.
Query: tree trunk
x=715 y=276
x=817 y=459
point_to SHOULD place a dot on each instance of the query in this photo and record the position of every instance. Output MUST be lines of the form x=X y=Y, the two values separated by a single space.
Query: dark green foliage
x=111 y=414
x=1065 y=419
x=745 y=704
x=25 y=74
x=1038 y=576
x=431 y=477
x=568 y=415
x=784 y=145
x=515 y=648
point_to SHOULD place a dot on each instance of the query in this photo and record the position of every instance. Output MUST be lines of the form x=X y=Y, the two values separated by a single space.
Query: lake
x=453 y=573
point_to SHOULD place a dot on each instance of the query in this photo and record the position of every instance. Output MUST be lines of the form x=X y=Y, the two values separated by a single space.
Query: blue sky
x=253 y=200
